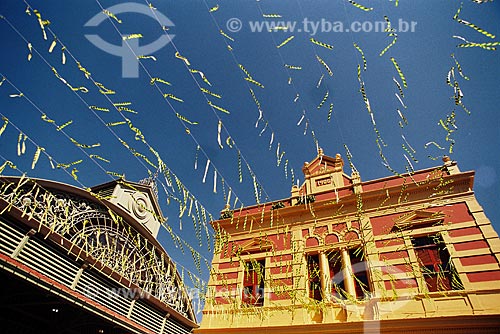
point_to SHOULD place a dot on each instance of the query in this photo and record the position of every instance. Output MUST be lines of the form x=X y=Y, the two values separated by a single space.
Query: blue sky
x=423 y=55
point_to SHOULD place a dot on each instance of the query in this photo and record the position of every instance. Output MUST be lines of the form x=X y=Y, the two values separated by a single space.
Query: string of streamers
x=471 y=25
x=391 y=32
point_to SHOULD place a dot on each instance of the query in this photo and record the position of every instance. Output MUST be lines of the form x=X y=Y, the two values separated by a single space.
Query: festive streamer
x=320 y=80
x=83 y=69
x=36 y=156
x=254 y=82
x=403 y=119
x=60 y=127
x=330 y=112
x=240 y=174
x=285 y=42
x=271 y=15
x=4 y=126
x=95 y=156
x=325 y=65
x=99 y=108
x=103 y=90
x=391 y=44
x=41 y=22
x=63 y=55
x=399 y=87
x=173 y=97
x=219 y=129
x=116 y=123
x=202 y=75
x=206 y=91
x=255 y=98
x=153 y=80
x=226 y=35
x=5 y=164
x=398 y=69
x=324 y=100
x=83 y=145
x=53 y=45
x=215 y=182
x=362 y=55
x=229 y=142
x=400 y=101
x=110 y=14
x=218 y=108
x=487 y=46
x=206 y=171
x=357 y=5
x=186 y=61
x=459 y=67
x=433 y=143
x=132 y=36
x=471 y=25
x=292 y=67
x=326 y=46
x=147 y=57
x=264 y=129
x=30 y=54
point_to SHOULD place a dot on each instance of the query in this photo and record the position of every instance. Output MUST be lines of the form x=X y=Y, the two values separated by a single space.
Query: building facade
x=402 y=254
x=86 y=261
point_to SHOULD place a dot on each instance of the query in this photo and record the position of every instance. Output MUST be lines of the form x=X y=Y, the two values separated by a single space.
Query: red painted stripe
x=477 y=260
x=463 y=246
x=464 y=231
x=485 y=276
x=394 y=255
x=228 y=265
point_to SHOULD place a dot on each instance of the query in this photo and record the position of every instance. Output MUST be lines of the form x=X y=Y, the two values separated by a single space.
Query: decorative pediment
x=323 y=164
x=418 y=219
x=256 y=245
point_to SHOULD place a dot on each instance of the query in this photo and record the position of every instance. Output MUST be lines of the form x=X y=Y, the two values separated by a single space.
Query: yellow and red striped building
x=341 y=255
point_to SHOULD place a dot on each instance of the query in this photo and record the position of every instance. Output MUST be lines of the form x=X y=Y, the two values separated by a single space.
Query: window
x=336 y=285
x=435 y=264
x=253 y=283
x=314 y=271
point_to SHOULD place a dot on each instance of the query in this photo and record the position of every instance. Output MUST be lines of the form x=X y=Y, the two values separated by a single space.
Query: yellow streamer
x=285 y=42
x=357 y=5
x=186 y=61
x=401 y=75
x=326 y=46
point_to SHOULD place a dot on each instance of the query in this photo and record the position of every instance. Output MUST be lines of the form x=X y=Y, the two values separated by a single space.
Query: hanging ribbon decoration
x=398 y=69
x=285 y=42
x=325 y=65
x=357 y=5
x=326 y=46
x=362 y=55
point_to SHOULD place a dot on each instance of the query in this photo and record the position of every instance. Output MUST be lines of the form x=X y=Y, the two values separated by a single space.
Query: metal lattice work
x=105 y=236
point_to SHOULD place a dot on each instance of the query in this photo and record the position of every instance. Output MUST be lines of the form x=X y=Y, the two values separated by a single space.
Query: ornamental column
x=325 y=276
x=348 y=274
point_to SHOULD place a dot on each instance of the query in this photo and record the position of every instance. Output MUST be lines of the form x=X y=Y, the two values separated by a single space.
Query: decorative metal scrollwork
x=105 y=236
